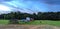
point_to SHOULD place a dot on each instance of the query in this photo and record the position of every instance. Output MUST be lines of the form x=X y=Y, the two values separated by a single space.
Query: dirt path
x=28 y=27
x=44 y=27
x=35 y=27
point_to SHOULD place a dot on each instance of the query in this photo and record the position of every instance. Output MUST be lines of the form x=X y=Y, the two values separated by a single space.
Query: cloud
x=30 y=6
x=52 y=2
x=27 y=5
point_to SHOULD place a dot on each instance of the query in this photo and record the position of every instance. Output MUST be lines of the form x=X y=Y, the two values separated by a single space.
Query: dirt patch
x=28 y=27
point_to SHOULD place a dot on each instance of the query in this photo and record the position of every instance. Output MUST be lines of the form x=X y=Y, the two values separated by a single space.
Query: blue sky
x=30 y=6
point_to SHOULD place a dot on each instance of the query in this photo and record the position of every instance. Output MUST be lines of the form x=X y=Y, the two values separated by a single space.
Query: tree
x=13 y=20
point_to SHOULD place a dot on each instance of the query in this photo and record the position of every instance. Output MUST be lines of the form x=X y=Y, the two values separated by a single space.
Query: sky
x=29 y=6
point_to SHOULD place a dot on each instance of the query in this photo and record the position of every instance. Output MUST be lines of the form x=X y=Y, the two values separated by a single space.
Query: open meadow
x=36 y=24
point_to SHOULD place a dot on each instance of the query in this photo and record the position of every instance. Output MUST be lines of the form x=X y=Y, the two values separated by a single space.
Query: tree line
x=38 y=16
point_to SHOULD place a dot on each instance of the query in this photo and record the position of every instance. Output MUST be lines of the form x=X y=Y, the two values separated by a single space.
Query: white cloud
x=4 y=9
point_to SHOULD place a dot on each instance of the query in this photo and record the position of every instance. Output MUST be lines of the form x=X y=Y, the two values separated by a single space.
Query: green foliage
x=13 y=21
x=38 y=16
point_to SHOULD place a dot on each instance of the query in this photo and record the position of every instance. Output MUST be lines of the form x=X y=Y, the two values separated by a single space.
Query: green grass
x=43 y=22
x=36 y=22
x=4 y=21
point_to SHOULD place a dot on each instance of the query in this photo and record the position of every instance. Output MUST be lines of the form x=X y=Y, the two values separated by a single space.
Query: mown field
x=35 y=22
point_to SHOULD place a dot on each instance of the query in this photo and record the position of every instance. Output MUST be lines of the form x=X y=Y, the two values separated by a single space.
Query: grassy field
x=36 y=22
x=44 y=22
x=4 y=21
